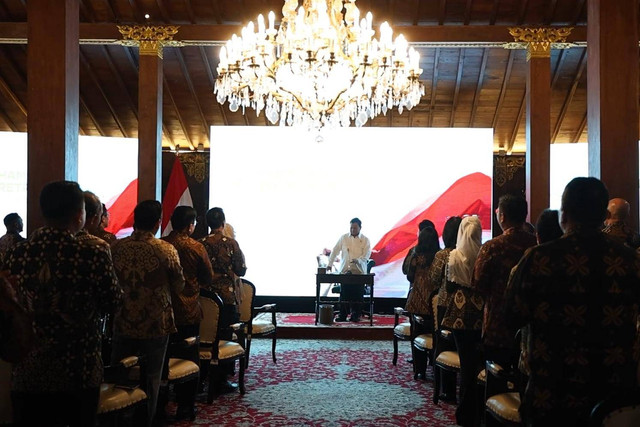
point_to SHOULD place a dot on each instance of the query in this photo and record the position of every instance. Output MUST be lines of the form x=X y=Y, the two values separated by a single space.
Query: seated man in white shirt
x=356 y=250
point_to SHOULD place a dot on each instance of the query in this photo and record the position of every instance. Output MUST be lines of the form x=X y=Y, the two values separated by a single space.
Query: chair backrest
x=209 y=325
x=434 y=307
x=618 y=410
x=370 y=264
x=246 y=305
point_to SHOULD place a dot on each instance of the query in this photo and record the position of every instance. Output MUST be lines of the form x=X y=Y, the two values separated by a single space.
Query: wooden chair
x=401 y=331
x=618 y=410
x=213 y=350
x=120 y=391
x=445 y=360
x=502 y=399
x=257 y=324
x=423 y=343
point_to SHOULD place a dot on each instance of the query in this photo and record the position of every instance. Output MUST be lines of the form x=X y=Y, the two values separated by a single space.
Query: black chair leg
x=241 y=376
x=273 y=348
x=395 y=350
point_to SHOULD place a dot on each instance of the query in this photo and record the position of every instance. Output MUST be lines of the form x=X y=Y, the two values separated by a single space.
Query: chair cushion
x=482 y=376
x=403 y=330
x=226 y=350
x=262 y=327
x=113 y=398
x=505 y=406
x=423 y=341
x=180 y=368
x=449 y=359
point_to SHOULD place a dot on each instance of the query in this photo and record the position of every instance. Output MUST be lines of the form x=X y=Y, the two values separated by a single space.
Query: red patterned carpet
x=308 y=319
x=327 y=383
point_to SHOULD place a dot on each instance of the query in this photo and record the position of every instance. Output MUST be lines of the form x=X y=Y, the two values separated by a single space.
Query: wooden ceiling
x=469 y=79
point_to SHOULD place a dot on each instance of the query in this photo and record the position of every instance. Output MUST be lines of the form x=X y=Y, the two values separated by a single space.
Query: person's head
x=62 y=205
x=428 y=242
x=104 y=220
x=529 y=228
x=548 y=226
x=512 y=211
x=450 y=231
x=618 y=210
x=215 y=218
x=354 y=227
x=584 y=203
x=13 y=222
x=424 y=224
x=183 y=219
x=147 y=216
x=470 y=231
x=93 y=209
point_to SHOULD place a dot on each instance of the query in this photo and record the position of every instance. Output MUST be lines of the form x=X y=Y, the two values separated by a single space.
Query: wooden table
x=345 y=279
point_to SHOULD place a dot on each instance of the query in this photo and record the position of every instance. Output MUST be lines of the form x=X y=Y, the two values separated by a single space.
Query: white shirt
x=357 y=249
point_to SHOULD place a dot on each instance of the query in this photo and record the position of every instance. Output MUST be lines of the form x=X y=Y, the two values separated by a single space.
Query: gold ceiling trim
x=150 y=39
x=539 y=41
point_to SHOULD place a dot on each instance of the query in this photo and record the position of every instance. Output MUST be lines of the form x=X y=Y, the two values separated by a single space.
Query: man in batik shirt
x=197 y=271
x=149 y=271
x=579 y=295
x=14 y=225
x=616 y=223
x=491 y=272
x=65 y=284
x=99 y=229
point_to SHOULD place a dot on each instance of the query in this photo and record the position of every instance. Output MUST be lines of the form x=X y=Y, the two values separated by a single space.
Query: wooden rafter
x=503 y=89
x=516 y=126
x=434 y=84
x=118 y=77
x=476 y=95
x=187 y=76
x=87 y=11
x=442 y=11
x=163 y=11
x=136 y=11
x=559 y=63
x=578 y=12
x=87 y=66
x=523 y=11
x=216 y=11
x=192 y=16
x=494 y=12
x=207 y=67
x=84 y=105
x=457 y=89
x=583 y=123
x=567 y=101
x=551 y=10
x=416 y=7
x=4 y=88
x=467 y=12
x=112 y=9
x=5 y=118
x=167 y=90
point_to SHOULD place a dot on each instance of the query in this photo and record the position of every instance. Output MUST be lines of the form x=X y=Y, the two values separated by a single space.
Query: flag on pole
x=177 y=194
x=121 y=210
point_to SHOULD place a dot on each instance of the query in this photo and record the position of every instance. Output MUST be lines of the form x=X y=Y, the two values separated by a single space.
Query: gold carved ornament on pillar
x=539 y=41
x=149 y=38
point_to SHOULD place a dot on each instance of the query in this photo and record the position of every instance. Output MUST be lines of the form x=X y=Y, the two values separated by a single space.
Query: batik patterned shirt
x=197 y=272
x=621 y=232
x=105 y=235
x=437 y=275
x=149 y=270
x=421 y=286
x=7 y=242
x=227 y=261
x=66 y=284
x=579 y=296
x=491 y=273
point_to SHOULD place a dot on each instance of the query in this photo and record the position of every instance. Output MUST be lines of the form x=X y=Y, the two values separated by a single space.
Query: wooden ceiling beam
x=467 y=12
x=434 y=84
x=167 y=90
x=87 y=66
x=6 y=90
x=567 y=101
x=87 y=10
x=583 y=123
x=163 y=11
x=84 y=105
x=187 y=76
x=200 y=34
x=111 y=7
x=457 y=89
x=192 y=16
x=416 y=7
x=551 y=10
x=207 y=67
x=494 y=12
x=216 y=11
x=578 y=12
x=120 y=81
x=476 y=95
x=5 y=118
x=562 y=55
x=523 y=11
x=516 y=126
x=503 y=89
x=136 y=11
x=442 y=12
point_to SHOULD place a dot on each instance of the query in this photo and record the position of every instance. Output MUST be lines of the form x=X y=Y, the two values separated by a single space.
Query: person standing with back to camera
x=356 y=250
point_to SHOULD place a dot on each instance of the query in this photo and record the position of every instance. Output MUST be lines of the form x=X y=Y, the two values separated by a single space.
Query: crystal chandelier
x=321 y=67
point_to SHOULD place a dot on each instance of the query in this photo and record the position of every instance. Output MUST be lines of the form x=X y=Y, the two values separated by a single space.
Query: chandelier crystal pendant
x=321 y=68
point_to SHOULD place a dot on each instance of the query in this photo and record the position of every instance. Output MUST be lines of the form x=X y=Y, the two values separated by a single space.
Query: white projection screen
x=289 y=193
x=105 y=166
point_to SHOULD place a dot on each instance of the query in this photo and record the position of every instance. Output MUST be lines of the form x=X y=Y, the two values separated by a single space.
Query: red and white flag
x=177 y=194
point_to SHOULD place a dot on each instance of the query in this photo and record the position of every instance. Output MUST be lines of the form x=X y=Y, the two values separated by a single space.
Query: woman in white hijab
x=464 y=314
